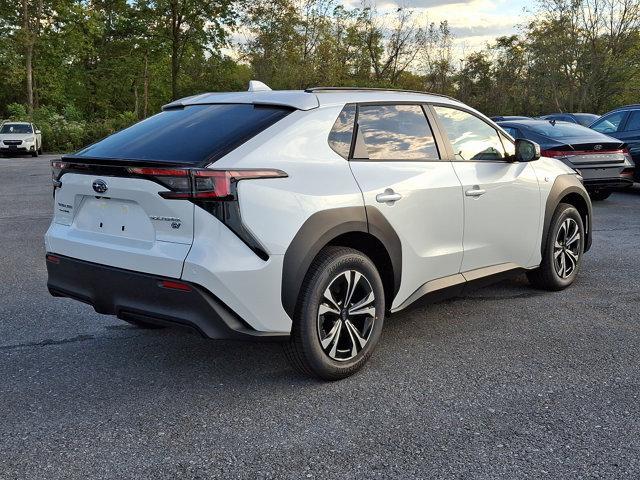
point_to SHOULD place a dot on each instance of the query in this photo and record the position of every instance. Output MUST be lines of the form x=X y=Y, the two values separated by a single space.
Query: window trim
x=450 y=153
x=437 y=138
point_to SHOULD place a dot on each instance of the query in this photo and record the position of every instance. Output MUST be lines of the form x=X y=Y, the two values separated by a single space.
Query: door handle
x=388 y=196
x=475 y=192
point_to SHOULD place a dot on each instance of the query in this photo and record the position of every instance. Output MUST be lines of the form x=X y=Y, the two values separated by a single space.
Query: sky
x=473 y=23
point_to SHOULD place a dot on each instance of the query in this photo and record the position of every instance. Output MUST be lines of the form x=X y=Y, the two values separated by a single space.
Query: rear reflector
x=173 y=285
x=53 y=259
x=627 y=172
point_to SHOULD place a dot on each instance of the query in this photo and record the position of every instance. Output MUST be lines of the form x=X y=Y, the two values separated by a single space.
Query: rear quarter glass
x=194 y=135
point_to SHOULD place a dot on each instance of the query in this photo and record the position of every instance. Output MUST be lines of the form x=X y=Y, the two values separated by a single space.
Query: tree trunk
x=175 y=49
x=28 y=54
x=145 y=104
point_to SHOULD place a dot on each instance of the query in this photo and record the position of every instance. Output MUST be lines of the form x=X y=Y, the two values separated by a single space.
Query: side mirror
x=526 y=150
x=38 y=132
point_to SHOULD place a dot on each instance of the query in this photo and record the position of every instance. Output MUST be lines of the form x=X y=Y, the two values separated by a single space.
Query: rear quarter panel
x=318 y=178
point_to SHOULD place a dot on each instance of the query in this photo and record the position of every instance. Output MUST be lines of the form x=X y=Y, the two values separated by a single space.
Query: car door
x=501 y=197
x=630 y=134
x=397 y=164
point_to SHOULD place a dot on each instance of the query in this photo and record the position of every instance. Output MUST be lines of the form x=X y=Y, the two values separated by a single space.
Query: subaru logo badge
x=99 y=186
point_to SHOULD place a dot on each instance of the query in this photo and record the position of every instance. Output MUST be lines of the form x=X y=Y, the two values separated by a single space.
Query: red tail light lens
x=571 y=153
x=204 y=184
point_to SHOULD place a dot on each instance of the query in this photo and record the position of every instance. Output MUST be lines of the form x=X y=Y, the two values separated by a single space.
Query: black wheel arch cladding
x=568 y=189
x=323 y=227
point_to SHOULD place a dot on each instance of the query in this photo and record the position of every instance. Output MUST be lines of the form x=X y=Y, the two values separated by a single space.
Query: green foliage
x=16 y=111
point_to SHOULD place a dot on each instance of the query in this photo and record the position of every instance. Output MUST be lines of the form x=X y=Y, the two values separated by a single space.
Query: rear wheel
x=600 y=195
x=563 y=248
x=339 y=316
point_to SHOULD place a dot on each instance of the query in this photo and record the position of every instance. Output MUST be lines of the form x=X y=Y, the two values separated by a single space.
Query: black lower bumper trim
x=138 y=296
x=603 y=183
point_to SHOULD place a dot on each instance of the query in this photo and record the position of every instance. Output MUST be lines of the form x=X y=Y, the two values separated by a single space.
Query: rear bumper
x=139 y=296
x=606 y=183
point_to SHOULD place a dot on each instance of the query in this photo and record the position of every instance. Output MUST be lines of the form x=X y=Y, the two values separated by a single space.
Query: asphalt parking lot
x=507 y=383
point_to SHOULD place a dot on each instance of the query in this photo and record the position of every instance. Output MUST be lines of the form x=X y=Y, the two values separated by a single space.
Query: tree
x=189 y=27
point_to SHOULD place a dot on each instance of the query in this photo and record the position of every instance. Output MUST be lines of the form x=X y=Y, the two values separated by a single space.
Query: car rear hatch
x=107 y=215
x=128 y=200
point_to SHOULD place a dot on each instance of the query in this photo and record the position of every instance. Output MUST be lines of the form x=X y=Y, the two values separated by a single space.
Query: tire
x=600 y=195
x=34 y=153
x=326 y=286
x=40 y=150
x=550 y=275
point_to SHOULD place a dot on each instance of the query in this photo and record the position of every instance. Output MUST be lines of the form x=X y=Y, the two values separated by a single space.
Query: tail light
x=627 y=172
x=556 y=153
x=627 y=155
x=202 y=184
x=56 y=168
x=215 y=191
x=571 y=153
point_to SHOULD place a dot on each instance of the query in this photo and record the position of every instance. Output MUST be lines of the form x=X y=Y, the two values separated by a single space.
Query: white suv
x=307 y=216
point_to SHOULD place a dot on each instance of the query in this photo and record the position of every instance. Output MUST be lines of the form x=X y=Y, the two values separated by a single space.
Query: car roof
x=15 y=123
x=312 y=98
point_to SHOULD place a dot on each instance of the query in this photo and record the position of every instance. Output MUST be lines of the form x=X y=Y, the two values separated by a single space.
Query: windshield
x=194 y=134
x=560 y=129
x=16 y=128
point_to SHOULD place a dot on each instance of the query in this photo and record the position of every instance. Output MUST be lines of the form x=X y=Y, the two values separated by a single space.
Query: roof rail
x=372 y=89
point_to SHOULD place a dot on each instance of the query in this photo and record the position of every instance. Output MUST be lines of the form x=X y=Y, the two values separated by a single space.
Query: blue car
x=603 y=161
x=624 y=124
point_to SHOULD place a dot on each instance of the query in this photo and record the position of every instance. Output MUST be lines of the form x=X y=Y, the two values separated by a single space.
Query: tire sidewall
x=319 y=361
x=562 y=213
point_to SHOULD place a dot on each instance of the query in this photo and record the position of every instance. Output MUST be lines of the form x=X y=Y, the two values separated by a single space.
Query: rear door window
x=192 y=135
x=394 y=132
x=633 y=123
x=610 y=123
x=471 y=138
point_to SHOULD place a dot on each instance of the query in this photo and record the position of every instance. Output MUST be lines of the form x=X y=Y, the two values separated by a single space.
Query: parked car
x=623 y=124
x=584 y=119
x=604 y=162
x=20 y=137
x=307 y=216
x=501 y=118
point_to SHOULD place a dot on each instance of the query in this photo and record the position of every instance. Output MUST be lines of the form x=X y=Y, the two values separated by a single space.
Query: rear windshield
x=560 y=129
x=16 y=128
x=195 y=134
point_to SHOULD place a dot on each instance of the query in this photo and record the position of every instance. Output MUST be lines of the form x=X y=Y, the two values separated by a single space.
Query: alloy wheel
x=566 y=249
x=346 y=315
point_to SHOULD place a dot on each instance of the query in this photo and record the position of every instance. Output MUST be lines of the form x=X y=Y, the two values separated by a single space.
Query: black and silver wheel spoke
x=346 y=315
x=566 y=248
